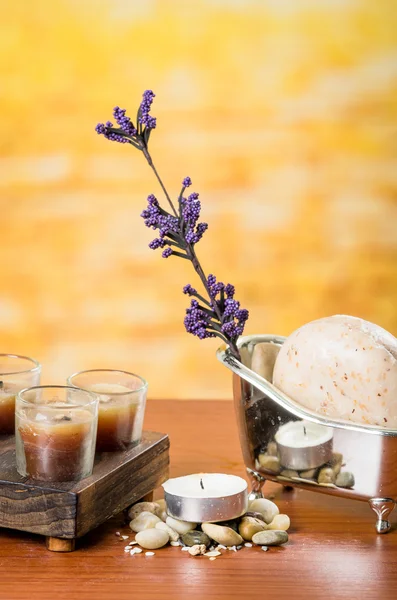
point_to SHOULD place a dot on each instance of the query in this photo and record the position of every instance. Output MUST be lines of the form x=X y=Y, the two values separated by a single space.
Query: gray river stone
x=270 y=538
x=194 y=538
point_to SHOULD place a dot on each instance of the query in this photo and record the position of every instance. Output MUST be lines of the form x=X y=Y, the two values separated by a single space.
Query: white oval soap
x=342 y=367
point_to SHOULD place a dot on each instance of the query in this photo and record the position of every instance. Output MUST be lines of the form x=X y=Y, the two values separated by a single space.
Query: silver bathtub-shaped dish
x=369 y=452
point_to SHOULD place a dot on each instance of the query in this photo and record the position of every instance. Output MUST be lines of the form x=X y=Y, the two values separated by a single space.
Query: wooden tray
x=65 y=511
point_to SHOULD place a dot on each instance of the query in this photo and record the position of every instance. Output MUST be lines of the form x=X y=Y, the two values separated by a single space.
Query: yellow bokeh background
x=284 y=114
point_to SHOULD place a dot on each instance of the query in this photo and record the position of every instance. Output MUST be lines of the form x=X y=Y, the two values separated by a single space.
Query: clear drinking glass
x=55 y=429
x=122 y=399
x=16 y=373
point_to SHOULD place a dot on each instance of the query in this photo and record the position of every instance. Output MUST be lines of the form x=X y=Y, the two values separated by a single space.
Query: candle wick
x=201 y=483
x=304 y=431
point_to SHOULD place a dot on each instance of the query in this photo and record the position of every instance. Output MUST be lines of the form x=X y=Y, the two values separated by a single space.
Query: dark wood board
x=69 y=510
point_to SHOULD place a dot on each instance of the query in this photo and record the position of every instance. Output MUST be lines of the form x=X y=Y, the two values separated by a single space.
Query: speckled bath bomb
x=341 y=367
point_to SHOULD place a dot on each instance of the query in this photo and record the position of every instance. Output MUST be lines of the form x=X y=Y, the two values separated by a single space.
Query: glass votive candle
x=122 y=399
x=55 y=429
x=16 y=373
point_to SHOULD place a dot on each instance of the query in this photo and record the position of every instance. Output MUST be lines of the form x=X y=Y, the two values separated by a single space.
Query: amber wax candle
x=16 y=373
x=55 y=433
x=122 y=399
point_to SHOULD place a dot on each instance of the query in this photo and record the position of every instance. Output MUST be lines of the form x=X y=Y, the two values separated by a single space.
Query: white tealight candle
x=304 y=445
x=206 y=497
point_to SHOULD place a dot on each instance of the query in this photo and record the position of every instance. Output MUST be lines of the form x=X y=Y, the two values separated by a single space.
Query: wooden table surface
x=333 y=551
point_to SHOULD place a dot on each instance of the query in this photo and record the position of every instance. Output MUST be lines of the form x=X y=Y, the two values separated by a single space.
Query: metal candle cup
x=206 y=497
x=304 y=445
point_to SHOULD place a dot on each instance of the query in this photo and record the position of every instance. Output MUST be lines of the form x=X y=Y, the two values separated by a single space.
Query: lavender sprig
x=218 y=315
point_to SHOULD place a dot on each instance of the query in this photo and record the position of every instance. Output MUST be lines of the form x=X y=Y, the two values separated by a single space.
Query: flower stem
x=203 y=300
x=151 y=165
x=199 y=270
x=180 y=255
x=190 y=252
x=222 y=337
x=191 y=255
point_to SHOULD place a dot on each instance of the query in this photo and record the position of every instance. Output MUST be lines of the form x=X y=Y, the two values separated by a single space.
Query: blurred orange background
x=283 y=113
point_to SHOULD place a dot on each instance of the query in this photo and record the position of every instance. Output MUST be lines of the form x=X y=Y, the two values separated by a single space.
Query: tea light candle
x=206 y=497
x=304 y=445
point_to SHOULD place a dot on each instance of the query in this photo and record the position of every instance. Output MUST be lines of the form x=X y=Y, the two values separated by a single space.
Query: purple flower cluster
x=181 y=231
x=233 y=317
x=189 y=290
x=204 y=322
x=156 y=218
x=190 y=210
x=123 y=121
x=127 y=132
x=103 y=129
x=229 y=290
x=157 y=243
x=145 y=118
x=152 y=212
x=214 y=287
x=187 y=182
x=198 y=322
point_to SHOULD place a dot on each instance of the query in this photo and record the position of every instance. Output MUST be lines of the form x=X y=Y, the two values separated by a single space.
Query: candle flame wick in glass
x=304 y=431
x=201 y=483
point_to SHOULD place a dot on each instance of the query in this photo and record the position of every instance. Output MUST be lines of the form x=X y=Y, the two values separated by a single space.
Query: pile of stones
x=329 y=474
x=262 y=525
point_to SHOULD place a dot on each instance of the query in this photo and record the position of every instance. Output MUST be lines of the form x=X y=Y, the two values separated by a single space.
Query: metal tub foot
x=382 y=507
x=257 y=482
